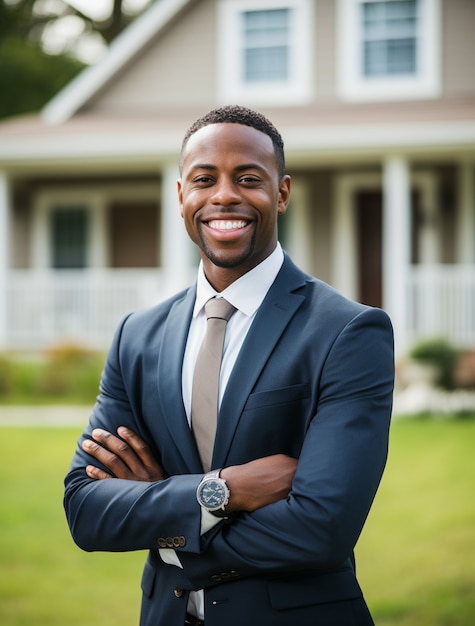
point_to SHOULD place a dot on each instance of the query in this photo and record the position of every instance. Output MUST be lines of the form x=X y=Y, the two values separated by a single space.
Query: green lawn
x=416 y=557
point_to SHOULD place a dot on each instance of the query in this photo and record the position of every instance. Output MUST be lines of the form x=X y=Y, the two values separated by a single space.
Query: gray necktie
x=204 y=395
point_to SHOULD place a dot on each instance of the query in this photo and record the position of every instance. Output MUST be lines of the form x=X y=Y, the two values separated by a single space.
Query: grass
x=416 y=554
x=45 y=580
x=415 y=557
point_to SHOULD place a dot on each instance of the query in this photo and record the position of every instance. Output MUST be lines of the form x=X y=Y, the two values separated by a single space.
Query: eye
x=203 y=179
x=249 y=180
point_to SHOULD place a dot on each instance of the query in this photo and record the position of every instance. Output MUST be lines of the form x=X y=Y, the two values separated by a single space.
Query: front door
x=369 y=231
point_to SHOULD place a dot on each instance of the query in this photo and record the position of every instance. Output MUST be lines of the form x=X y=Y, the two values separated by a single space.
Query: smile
x=227 y=224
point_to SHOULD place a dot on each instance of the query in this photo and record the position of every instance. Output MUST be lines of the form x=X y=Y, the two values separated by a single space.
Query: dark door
x=369 y=226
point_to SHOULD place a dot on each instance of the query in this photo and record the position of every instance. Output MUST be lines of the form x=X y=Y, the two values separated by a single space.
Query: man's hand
x=260 y=482
x=126 y=456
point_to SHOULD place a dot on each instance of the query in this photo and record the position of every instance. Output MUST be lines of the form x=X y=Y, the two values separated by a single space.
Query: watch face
x=212 y=494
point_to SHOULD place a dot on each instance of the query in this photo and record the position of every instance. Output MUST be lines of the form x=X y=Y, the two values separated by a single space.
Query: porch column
x=396 y=244
x=4 y=256
x=177 y=260
x=466 y=222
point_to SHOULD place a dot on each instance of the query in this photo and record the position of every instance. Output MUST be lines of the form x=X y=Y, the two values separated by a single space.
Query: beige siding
x=134 y=234
x=318 y=184
x=176 y=70
x=320 y=211
x=325 y=51
x=458 y=47
x=21 y=236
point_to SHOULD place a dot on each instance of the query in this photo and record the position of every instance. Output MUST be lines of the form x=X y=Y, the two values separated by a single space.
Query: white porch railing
x=46 y=307
x=441 y=303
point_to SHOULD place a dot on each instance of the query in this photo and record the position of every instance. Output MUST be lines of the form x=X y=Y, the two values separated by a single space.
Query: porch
x=440 y=302
x=46 y=307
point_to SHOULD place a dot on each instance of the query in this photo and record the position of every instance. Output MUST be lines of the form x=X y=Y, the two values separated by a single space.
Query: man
x=304 y=410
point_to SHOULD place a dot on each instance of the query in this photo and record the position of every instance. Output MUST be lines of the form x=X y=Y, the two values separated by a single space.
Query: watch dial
x=212 y=494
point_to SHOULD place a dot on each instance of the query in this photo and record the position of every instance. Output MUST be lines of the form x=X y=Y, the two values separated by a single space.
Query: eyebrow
x=239 y=168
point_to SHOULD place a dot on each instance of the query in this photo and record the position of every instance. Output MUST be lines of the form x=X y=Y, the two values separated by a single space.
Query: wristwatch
x=213 y=494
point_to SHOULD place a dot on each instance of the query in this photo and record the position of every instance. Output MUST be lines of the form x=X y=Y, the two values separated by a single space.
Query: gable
x=175 y=69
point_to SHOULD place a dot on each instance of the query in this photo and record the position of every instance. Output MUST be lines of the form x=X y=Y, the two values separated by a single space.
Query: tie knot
x=219 y=308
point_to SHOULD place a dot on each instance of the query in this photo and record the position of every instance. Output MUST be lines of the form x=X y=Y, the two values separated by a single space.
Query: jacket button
x=179 y=542
x=178 y=591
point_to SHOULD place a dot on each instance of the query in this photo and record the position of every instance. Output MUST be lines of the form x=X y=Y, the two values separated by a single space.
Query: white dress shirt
x=246 y=295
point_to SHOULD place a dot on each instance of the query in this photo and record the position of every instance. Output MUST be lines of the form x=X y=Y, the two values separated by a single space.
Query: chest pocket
x=275 y=421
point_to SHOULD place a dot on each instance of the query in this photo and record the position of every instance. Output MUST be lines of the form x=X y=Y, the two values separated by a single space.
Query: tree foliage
x=29 y=75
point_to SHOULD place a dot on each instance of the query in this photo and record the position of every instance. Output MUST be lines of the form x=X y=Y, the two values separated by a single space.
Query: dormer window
x=389 y=37
x=265 y=51
x=389 y=49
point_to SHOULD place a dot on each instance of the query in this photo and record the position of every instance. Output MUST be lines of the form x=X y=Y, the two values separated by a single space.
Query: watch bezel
x=211 y=477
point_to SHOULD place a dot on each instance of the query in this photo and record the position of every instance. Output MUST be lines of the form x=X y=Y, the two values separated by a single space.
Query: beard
x=221 y=258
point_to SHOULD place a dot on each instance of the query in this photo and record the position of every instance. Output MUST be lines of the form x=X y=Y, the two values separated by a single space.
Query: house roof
x=67 y=132
x=440 y=126
x=129 y=43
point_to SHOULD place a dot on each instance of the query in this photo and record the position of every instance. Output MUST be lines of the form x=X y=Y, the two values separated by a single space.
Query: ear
x=180 y=195
x=284 y=195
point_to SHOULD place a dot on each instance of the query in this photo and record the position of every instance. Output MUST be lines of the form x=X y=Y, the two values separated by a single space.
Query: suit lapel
x=272 y=318
x=170 y=363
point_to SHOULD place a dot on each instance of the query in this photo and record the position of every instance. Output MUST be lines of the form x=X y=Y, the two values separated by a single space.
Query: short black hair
x=236 y=114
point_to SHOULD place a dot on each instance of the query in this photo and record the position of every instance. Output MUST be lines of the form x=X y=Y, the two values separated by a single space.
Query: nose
x=225 y=192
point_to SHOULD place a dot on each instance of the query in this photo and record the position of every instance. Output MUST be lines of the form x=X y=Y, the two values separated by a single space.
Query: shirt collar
x=245 y=293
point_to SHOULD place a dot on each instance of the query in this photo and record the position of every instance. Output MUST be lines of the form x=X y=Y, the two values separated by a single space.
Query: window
x=265 y=51
x=266 y=45
x=69 y=237
x=389 y=49
x=389 y=37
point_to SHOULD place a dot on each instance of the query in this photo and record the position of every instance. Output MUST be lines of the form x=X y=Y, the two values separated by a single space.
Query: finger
x=148 y=468
x=117 y=446
x=96 y=473
x=107 y=458
x=139 y=446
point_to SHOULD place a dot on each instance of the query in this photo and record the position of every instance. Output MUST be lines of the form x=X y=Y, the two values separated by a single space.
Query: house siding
x=21 y=236
x=321 y=202
x=325 y=52
x=133 y=231
x=458 y=47
x=176 y=70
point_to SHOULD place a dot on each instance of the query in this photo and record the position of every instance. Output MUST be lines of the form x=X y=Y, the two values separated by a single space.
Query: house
x=375 y=100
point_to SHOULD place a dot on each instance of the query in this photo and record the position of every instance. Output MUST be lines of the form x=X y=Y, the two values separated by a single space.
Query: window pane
x=389 y=57
x=266 y=64
x=374 y=58
x=69 y=228
x=389 y=37
x=266 y=45
x=402 y=56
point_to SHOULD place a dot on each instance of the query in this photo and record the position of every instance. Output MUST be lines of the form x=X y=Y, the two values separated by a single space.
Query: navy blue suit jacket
x=313 y=380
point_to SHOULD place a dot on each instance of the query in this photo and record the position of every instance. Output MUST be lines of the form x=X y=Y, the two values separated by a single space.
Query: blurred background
x=375 y=100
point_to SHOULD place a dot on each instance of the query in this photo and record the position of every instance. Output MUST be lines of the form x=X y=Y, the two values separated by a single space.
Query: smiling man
x=251 y=518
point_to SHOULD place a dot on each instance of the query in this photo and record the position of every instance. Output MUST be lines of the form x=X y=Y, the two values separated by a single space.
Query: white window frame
x=298 y=88
x=47 y=201
x=96 y=199
x=354 y=86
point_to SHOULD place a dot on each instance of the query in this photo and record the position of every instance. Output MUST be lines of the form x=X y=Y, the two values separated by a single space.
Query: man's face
x=230 y=196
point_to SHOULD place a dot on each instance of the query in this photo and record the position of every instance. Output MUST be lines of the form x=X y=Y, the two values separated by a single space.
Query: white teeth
x=227 y=225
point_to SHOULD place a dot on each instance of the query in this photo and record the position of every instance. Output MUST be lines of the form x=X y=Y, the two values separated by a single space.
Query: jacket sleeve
x=122 y=515
x=339 y=470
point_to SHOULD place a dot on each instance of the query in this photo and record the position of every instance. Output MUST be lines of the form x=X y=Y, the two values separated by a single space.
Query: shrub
x=66 y=374
x=442 y=355
x=6 y=379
